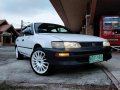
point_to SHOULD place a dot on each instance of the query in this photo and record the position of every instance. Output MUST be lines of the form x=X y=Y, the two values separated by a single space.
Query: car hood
x=74 y=37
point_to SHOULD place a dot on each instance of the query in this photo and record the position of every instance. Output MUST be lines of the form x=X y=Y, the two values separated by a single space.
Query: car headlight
x=106 y=43
x=66 y=45
x=72 y=45
x=57 y=45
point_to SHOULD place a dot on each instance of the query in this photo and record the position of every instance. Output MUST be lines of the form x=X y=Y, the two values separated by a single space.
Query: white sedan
x=48 y=45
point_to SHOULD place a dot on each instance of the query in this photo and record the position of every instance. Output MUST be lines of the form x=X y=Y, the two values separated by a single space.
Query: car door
x=20 y=44
x=27 y=41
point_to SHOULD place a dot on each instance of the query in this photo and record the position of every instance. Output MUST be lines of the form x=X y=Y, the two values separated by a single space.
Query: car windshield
x=50 y=28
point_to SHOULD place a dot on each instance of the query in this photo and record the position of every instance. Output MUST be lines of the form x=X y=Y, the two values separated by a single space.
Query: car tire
x=40 y=64
x=18 y=55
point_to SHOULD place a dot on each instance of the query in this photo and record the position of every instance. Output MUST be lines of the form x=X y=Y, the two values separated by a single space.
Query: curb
x=7 y=85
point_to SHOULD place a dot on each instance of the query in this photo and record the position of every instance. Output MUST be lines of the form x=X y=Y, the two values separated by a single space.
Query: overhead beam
x=57 y=4
x=71 y=12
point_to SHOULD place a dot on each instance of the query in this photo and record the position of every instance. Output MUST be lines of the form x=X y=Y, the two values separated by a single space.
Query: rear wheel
x=39 y=63
x=18 y=55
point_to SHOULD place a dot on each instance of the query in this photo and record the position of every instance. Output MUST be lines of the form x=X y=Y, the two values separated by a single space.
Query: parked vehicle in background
x=110 y=30
x=48 y=45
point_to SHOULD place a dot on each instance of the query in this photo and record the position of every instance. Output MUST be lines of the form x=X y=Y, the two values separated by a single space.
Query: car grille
x=91 y=44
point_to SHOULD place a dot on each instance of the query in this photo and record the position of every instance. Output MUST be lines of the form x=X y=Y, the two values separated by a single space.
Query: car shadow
x=76 y=69
x=73 y=69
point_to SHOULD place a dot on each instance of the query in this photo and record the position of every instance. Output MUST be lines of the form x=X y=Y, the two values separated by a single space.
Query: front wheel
x=39 y=62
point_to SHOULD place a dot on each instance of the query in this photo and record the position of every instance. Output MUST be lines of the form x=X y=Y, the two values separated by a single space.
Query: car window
x=54 y=30
x=62 y=30
x=50 y=28
x=28 y=31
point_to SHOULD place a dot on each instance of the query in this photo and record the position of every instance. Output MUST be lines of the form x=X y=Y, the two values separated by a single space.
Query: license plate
x=96 y=58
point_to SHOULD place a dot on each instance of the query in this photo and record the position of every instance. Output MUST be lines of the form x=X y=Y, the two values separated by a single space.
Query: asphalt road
x=20 y=71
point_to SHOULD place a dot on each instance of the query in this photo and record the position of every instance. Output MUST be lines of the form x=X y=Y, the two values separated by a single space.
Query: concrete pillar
x=11 y=39
x=90 y=30
x=87 y=17
x=1 y=39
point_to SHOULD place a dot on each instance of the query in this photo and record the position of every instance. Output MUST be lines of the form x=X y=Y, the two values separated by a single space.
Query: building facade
x=8 y=34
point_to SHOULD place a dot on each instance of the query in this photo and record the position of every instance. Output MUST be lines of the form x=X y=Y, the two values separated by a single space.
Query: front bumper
x=77 y=56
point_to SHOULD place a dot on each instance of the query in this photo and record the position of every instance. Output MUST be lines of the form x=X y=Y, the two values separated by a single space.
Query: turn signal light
x=62 y=54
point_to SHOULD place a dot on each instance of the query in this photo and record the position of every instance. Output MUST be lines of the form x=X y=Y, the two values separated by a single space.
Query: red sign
x=110 y=29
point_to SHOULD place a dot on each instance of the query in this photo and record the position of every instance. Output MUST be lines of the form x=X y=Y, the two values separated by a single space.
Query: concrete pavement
x=114 y=65
x=19 y=71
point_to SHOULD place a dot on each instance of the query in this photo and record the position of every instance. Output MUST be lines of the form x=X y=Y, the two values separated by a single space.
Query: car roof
x=47 y=23
x=40 y=23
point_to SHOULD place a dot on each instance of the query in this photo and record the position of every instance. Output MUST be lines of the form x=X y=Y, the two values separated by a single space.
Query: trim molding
x=25 y=47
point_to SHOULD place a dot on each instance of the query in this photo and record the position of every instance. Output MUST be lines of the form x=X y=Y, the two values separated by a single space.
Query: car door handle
x=22 y=39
